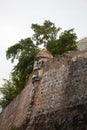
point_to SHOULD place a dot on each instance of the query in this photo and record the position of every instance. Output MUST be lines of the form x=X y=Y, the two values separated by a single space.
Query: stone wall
x=15 y=112
x=63 y=84
x=62 y=88
x=57 y=102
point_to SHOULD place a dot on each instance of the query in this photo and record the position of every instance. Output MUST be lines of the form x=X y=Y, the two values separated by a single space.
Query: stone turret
x=42 y=57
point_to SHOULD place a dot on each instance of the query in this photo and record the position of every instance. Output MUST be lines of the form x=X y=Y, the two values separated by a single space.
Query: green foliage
x=44 y=33
x=47 y=35
x=52 y=47
x=9 y=91
x=13 y=128
x=25 y=51
x=66 y=42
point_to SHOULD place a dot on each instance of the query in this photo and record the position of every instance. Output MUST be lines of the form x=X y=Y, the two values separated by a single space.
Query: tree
x=66 y=42
x=47 y=35
x=44 y=33
x=9 y=92
x=25 y=51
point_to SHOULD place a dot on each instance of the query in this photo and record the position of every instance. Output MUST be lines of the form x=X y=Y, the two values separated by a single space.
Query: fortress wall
x=15 y=113
x=57 y=101
x=63 y=84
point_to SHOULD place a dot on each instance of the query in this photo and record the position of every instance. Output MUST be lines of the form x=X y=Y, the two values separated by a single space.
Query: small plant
x=13 y=128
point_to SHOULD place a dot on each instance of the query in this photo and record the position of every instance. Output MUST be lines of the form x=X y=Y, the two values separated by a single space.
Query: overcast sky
x=16 y=17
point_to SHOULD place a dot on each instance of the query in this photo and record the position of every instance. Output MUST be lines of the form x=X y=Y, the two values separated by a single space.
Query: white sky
x=16 y=17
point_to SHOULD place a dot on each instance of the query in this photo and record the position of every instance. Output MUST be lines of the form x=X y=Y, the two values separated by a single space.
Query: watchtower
x=42 y=57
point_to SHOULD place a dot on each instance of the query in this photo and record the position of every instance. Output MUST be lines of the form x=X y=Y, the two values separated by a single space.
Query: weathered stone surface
x=57 y=102
x=42 y=57
x=82 y=44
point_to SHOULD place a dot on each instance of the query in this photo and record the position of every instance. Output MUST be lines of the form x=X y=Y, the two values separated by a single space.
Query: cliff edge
x=54 y=98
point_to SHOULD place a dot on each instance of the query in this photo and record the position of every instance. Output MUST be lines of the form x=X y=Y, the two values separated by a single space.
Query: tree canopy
x=65 y=42
x=25 y=51
x=9 y=91
x=44 y=33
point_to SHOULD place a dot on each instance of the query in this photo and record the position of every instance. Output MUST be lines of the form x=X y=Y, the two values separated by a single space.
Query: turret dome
x=44 y=54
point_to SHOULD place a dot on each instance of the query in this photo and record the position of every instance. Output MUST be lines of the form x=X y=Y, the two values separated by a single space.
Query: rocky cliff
x=54 y=98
